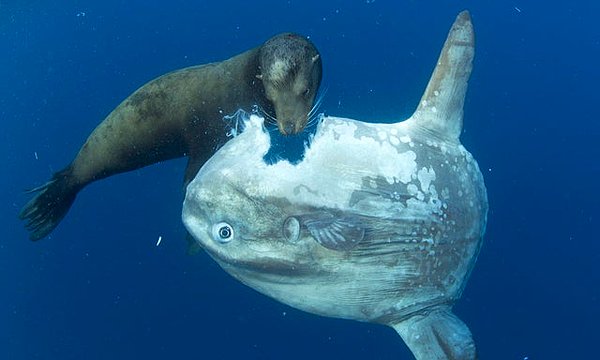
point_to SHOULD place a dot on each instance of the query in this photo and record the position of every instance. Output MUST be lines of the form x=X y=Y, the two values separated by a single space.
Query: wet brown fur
x=181 y=114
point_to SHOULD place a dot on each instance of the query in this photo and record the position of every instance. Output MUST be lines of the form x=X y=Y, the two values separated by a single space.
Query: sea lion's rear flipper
x=437 y=335
x=51 y=203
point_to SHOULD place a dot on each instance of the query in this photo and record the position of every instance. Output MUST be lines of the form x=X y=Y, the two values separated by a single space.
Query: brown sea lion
x=181 y=114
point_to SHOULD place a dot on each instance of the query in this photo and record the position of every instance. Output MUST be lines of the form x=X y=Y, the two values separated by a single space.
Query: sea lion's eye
x=222 y=232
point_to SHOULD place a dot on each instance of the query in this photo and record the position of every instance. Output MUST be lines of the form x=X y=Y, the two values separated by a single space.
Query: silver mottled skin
x=379 y=222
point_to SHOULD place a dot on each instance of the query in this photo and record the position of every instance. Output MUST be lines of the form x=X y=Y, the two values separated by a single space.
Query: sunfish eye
x=222 y=232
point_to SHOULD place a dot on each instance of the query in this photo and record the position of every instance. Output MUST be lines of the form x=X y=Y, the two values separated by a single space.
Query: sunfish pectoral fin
x=441 y=107
x=335 y=232
x=437 y=335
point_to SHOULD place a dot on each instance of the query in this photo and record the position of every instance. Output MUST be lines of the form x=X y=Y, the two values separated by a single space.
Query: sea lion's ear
x=259 y=76
x=334 y=232
x=315 y=58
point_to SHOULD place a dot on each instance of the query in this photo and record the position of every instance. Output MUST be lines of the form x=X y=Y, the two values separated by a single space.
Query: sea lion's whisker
x=317 y=103
x=313 y=114
x=270 y=119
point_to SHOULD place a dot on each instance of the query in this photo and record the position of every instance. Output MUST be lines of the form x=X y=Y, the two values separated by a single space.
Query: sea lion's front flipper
x=437 y=335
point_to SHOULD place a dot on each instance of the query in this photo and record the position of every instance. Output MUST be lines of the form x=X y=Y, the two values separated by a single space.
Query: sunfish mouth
x=267 y=269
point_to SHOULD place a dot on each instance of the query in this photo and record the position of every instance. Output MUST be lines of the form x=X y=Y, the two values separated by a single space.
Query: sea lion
x=378 y=222
x=181 y=113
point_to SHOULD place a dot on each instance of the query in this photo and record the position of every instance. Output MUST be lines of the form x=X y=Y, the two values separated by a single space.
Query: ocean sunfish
x=378 y=222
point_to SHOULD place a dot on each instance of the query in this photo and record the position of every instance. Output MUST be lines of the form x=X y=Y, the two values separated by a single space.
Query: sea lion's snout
x=293 y=127
x=291 y=112
x=287 y=129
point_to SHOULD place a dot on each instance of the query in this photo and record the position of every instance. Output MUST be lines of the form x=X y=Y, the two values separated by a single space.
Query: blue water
x=99 y=288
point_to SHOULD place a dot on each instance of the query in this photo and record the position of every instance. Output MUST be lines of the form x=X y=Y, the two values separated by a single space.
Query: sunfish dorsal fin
x=441 y=107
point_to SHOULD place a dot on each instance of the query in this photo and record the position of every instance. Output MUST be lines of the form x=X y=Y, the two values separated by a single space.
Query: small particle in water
x=518 y=10
x=80 y=14
x=36 y=155
x=159 y=240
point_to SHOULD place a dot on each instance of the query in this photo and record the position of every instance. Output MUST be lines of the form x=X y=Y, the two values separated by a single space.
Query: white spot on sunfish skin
x=412 y=189
x=336 y=162
x=426 y=176
x=364 y=153
x=405 y=139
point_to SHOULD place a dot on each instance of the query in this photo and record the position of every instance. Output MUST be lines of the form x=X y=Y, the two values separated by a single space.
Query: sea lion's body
x=176 y=114
x=181 y=113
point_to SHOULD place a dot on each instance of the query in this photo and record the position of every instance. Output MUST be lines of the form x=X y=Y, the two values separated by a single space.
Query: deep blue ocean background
x=99 y=288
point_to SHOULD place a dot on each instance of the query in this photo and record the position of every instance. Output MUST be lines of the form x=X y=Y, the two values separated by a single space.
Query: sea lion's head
x=290 y=70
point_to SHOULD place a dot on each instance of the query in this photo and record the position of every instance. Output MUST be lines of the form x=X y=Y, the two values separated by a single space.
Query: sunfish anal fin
x=437 y=335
